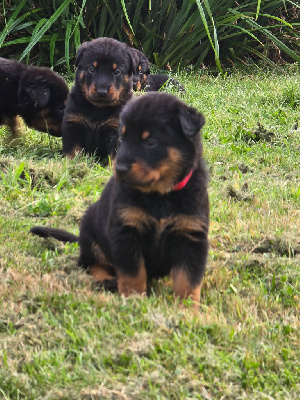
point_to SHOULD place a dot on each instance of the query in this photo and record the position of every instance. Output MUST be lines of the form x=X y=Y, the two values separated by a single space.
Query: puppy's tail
x=59 y=234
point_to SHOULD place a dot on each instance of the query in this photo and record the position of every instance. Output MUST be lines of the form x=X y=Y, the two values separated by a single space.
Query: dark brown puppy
x=144 y=80
x=103 y=84
x=37 y=94
x=152 y=218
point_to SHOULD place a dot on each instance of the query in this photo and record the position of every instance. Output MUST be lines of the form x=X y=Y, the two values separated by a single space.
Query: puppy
x=37 y=94
x=103 y=84
x=141 y=71
x=144 y=80
x=156 y=82
x=153 y=215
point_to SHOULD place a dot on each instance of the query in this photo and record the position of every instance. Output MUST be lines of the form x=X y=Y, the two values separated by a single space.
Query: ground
x=60 y=338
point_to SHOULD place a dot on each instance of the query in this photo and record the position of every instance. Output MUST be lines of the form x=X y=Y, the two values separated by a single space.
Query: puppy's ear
x=39 y=95
x=145 y=63
x=133 y=59
x=191 y=121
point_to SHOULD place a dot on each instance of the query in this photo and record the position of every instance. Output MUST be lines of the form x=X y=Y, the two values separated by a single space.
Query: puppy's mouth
x=100 y=101
x=145 y=179
x=101 y=96
x=128 y=180
x=136 y=175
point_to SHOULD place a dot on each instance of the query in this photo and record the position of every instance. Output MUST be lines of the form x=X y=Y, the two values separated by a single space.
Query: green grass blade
x=275 y=40
x=258 y=9
x=27 y=39
x=45 y=27
x=215 y=49
x=126 y=15
x=102 y=23
x=67 y=44
x=52 y=48
x=11 y=21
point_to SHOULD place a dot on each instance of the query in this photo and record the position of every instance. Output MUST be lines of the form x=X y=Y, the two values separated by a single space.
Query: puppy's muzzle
x=102 y=92
x=122 y=170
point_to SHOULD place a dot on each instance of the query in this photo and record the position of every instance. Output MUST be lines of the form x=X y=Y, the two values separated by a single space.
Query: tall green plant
x=171 y=33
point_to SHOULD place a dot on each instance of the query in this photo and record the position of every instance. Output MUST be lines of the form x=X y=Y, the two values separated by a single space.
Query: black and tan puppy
x=152 y=218
x=143 y=80
x=141 y=71
x=156 y=82
x=103 y=84
x=37 y=94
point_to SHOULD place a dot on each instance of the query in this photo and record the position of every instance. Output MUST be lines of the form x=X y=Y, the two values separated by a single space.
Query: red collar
x=180 y=185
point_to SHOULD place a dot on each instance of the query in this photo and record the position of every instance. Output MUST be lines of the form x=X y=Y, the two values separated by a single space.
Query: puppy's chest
x=160 y=226
x=98 y=125
x=95 y=122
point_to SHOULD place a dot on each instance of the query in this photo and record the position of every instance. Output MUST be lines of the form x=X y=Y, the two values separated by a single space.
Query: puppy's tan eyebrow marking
x=114 y=66
x=95 y=64
x=123 y=130
x=145 y=135
x=140 y=67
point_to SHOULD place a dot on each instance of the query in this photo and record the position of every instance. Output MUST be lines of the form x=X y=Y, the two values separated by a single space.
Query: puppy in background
x=144 y=80
x=103 y=84
x=36 y=94
x=141 y=72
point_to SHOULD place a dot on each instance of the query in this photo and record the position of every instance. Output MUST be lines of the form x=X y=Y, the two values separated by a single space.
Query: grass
x=60 y=338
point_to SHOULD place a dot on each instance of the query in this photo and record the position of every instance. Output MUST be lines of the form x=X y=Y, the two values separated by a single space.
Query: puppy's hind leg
x=93 y=259
x=104 y=276
x=130 y=284
x=14 y=125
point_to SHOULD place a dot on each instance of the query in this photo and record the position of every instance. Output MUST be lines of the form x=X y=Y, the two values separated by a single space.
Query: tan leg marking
x=128 y=285
x=182 y=286
x=101 y=273
x=72 y=153
x=13 y=124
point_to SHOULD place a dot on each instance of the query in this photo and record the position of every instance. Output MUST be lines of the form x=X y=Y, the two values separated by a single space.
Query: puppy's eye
x=91 y=70
x=117 y=72
x=141 y=72
x=150 y=143
x=61 y=107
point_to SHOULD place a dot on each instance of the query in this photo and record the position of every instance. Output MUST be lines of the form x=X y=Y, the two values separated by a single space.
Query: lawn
x=61 y=338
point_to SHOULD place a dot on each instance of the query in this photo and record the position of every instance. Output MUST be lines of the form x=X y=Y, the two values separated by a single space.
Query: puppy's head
x=104 y=71
x=142 y=70
x=159 y=142
x=42 y=97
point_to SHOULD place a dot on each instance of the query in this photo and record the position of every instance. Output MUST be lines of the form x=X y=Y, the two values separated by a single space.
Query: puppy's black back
x=156 y=82
x=42 y=97
x=10 y=73
x=37 y=94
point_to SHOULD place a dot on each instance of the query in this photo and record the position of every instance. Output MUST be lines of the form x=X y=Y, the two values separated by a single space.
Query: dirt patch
x=244 y=169
x=240 y=194
x=261 y=134
x=40 y=177
x=281 y=246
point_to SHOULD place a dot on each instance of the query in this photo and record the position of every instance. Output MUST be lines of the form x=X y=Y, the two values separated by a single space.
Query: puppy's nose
x=102 y=92
x=122 y=169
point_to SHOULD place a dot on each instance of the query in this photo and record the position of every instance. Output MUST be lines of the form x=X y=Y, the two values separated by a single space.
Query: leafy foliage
x=171 y=33
x=62 y=339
